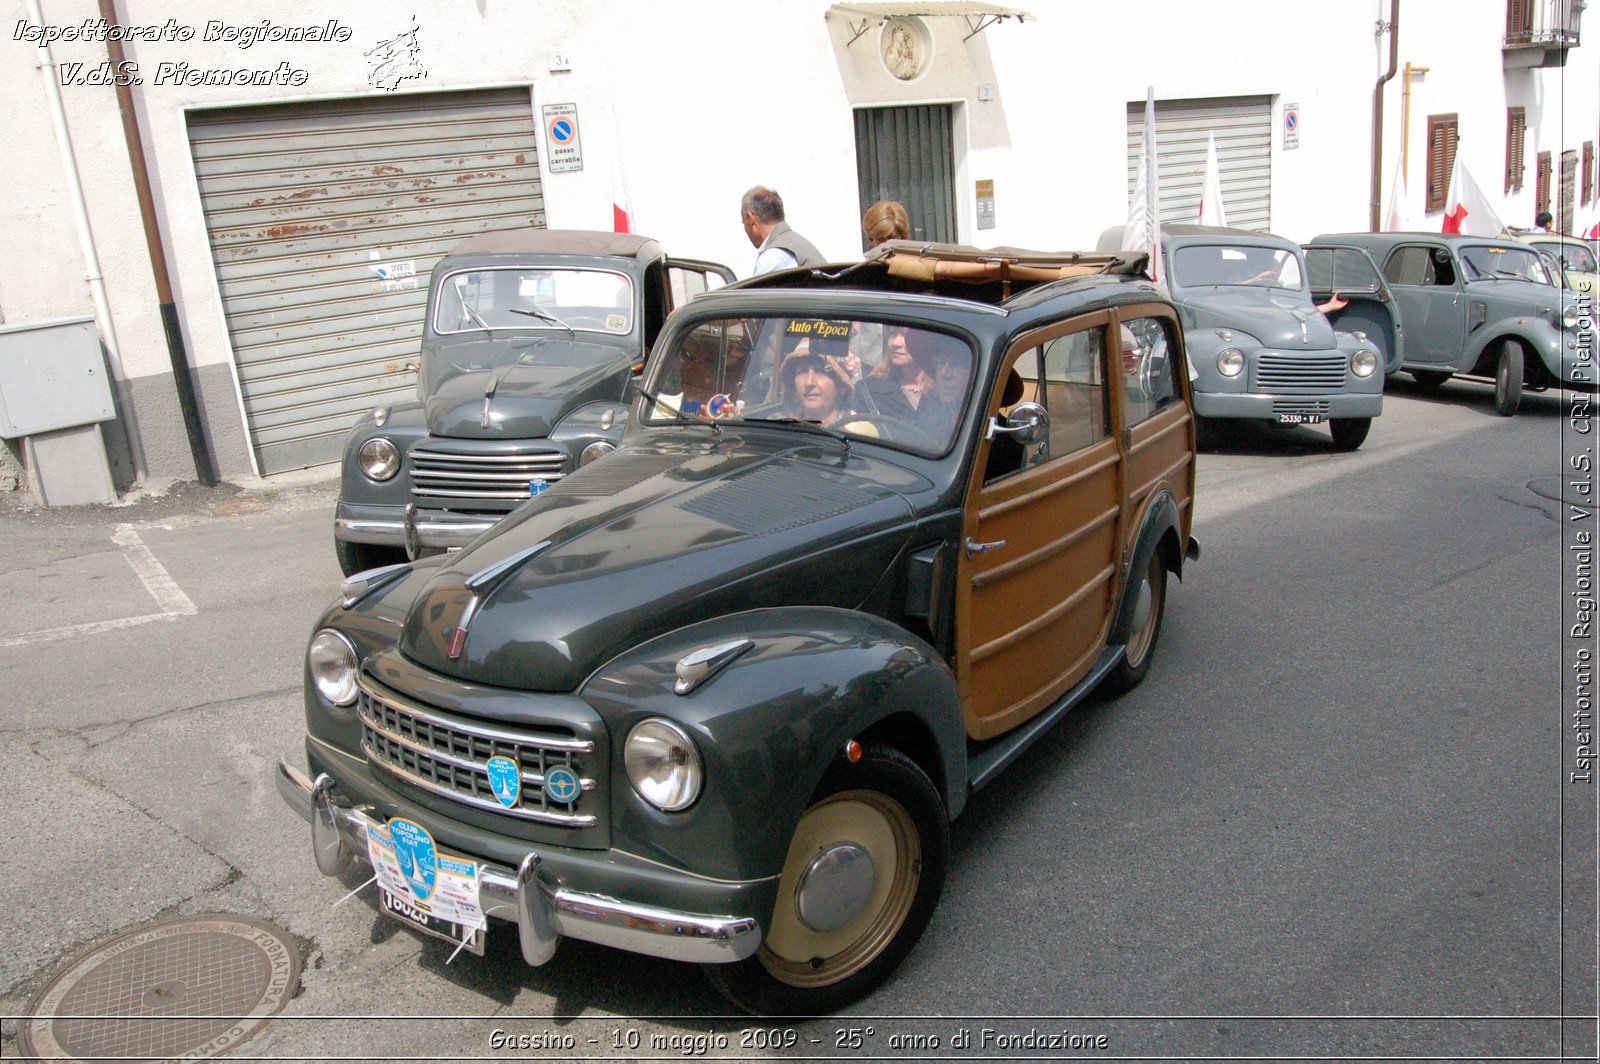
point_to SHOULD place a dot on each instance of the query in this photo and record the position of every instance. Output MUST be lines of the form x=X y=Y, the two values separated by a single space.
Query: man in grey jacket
x=777 y=246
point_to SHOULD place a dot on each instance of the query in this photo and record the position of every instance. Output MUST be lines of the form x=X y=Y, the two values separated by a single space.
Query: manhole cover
x=189 y=988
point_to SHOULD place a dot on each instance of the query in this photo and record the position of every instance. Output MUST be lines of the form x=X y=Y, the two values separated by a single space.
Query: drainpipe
x=182 y=373
x=1377 y=113
x=91 y=256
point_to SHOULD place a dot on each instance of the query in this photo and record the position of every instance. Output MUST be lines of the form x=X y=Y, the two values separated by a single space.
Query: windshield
x=524 y=297
x=1220 y=264
x=864 y=379
x=1575 y=257
x=1503 y=264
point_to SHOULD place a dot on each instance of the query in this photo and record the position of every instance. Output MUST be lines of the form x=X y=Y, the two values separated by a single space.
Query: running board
x=986 y=763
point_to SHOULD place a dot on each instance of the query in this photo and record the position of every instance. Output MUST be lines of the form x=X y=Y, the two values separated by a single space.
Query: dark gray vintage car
x=530 y=341
x=1480 y=307
x=716 y=696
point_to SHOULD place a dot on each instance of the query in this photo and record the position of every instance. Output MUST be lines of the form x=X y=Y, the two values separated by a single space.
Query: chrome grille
x=448 y=756
x=1300 y=406
x=442 y=474
x=1300 y=374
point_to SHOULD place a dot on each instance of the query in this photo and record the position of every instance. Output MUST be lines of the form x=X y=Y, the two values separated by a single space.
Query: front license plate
x=1299 y=419
x=402 y=910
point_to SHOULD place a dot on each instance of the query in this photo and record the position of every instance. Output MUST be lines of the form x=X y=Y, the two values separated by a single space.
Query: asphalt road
x=1334 y=821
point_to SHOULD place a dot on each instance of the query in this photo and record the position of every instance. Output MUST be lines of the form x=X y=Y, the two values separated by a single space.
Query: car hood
x=1274 y=317
x=530 y=382
x=669 y=530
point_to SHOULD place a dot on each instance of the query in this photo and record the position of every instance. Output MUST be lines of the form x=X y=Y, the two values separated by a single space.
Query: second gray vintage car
x=1481 y=307
x=531 y=339
x=716 y=695
x=1259 y=346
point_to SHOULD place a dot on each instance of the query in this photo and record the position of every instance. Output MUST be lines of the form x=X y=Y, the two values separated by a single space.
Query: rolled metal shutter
x=1243 y=128
x=324 y=221
x=908 y=154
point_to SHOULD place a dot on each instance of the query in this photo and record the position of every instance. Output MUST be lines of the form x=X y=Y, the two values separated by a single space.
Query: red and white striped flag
x=1143 y=231
x=1212 y=212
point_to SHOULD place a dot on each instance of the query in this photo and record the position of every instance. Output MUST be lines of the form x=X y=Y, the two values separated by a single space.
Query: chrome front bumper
x=543 y=912
x=443 y=530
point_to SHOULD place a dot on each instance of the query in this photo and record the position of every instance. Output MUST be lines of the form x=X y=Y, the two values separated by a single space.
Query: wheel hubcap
x=835 y=887
x=847 y=886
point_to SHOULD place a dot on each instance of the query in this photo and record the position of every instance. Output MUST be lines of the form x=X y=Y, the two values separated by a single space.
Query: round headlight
x=663 y=764
x=597 y=449
x=1569 y=315
x=1363 y=363
x=332 y=661
x=379 y=458
x=1230 y=362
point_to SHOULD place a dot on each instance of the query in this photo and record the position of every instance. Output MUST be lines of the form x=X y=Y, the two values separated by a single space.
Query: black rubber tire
x=887 y=785
x=1430 y=378
x=359 y=557
x=1141 y=645
x=1349 y=433
x=1508 y=379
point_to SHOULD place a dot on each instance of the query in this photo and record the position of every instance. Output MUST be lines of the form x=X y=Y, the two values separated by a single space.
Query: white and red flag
x=1397 y=220
x=1466 y=208
x=1212 y=212
x=621 y=221
x=1143 y=231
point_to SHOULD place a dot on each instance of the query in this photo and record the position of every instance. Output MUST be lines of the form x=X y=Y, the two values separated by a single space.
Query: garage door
x=1243 y=128
x=324 y=220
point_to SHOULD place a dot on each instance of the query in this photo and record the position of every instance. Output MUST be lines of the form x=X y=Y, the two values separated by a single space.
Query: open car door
x=1370 y=307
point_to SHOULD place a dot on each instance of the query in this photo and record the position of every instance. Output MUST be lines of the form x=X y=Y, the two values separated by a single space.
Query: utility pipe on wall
x=1377 y=112
x=177 y=353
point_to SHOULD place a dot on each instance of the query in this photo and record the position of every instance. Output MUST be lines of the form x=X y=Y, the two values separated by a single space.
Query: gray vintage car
x=716 y=696
x=1481 y=307
x=531 y=339
x=1260 y=347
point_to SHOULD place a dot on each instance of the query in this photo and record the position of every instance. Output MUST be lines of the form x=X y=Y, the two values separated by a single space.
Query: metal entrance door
x=908 y=154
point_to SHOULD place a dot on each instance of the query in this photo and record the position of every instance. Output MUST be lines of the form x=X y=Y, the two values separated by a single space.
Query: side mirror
x=1029 y=423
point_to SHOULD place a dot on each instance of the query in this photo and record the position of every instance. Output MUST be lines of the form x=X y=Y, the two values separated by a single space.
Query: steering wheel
x=889 y=428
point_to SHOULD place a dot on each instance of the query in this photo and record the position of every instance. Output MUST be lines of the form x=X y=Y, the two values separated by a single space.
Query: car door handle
x=974 y=548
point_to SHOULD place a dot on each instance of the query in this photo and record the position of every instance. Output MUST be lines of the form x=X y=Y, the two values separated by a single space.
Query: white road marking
x=168 y=595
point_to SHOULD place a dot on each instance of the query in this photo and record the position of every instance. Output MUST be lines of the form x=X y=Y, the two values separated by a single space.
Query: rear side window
x=1340 y=270
x=1149 y=372
x=1419 y=266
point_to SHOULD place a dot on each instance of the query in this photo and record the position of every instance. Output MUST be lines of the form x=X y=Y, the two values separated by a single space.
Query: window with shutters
x=1519 y=21
x=1442 y=136
x=1587 y=172
x=1516 y=143
x=1567 y=195
x=1541 y=184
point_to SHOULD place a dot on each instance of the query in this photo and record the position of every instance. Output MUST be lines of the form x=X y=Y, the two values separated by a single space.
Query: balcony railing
x=1543 y=23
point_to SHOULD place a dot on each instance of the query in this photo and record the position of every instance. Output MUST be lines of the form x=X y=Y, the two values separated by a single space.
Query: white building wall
x=706 y=99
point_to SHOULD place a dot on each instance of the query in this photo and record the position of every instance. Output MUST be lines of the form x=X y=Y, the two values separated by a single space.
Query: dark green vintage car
x=717 y=695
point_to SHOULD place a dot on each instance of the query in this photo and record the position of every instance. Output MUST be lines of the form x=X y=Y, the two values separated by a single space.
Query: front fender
x=1537 y=334
x=768 y=726
x=404 y=424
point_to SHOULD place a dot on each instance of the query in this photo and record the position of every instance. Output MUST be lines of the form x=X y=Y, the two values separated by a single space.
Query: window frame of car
x=672 y=342
x=532 y=324
x=1245 y=249
x=1432 y=253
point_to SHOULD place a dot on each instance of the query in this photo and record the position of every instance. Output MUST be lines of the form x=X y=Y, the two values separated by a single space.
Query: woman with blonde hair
x=885 y=220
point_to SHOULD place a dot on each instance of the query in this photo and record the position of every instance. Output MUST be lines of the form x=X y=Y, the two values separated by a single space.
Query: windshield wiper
x=804 y=426
x=485 y=326
x=542 y=316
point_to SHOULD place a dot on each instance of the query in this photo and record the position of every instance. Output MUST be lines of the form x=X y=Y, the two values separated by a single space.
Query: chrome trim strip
x=441 y=493
x=457 y=457
x=573 y=820
x=535 y=778
x=486 y=575
x=543 y=912
x=577 y=746
x=497 y=476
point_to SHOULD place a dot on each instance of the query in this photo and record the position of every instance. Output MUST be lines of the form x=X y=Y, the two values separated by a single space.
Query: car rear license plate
x=1299 y=419
x=401 y=909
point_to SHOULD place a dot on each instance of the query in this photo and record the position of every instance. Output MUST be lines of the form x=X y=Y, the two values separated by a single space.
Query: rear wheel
x=1150 y=603
x=359 y=557
x=1431 y=378
x=1349 y=432
x=864 y=872
x=1508 y=379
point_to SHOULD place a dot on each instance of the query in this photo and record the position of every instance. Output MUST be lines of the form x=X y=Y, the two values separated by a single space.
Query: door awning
x=862 y=17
